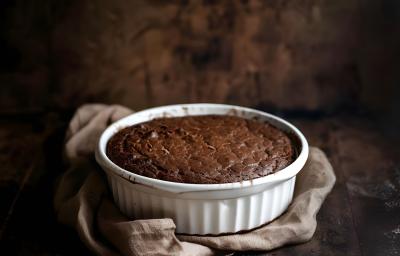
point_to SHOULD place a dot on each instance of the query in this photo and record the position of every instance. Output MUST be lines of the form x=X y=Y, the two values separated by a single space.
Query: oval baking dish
x=203 y=208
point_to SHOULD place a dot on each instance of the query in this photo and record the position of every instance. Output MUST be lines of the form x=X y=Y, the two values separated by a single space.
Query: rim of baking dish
x=281 y=175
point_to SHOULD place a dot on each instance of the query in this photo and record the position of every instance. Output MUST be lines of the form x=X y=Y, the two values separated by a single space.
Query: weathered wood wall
x=308 y=55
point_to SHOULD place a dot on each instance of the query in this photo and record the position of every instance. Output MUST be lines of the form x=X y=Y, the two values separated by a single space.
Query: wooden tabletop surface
x=361 y=216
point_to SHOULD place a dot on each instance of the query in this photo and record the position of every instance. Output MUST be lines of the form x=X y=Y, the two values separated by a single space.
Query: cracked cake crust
x=207 y=149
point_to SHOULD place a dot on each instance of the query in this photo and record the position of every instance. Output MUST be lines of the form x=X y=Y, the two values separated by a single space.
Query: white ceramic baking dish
x=203 y=208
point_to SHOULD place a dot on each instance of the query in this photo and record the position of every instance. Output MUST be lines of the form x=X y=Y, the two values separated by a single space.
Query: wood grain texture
x=310 y=55
x=32 y=164
x=19 y=142
x=243 y=52
x=370 y=166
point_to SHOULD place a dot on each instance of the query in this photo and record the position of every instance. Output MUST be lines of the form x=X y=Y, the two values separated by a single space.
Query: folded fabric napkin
x=82 y=201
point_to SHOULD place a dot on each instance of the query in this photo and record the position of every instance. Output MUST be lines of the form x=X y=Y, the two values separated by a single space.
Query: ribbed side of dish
x=203 y=216
x=203 y=208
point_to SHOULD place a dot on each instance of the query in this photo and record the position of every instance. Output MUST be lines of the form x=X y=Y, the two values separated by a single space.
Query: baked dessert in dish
x=207 y=149
x=212 y=168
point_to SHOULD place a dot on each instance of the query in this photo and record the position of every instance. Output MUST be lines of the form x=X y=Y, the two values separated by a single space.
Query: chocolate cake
x=201 y=149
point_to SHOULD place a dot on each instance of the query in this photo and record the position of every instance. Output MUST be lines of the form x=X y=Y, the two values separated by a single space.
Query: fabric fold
x=83 y=202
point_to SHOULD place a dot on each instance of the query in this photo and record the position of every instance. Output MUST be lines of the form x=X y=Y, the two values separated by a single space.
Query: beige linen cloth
x=82 y=201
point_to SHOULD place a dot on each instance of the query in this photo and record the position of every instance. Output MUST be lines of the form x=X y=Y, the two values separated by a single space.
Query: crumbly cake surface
x=201 y=149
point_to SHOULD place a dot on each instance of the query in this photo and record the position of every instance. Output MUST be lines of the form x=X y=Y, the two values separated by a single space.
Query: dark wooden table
x=360 y=217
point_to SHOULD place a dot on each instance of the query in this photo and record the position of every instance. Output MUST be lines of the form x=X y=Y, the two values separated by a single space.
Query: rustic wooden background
x=331 y=67
x=309 y=55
